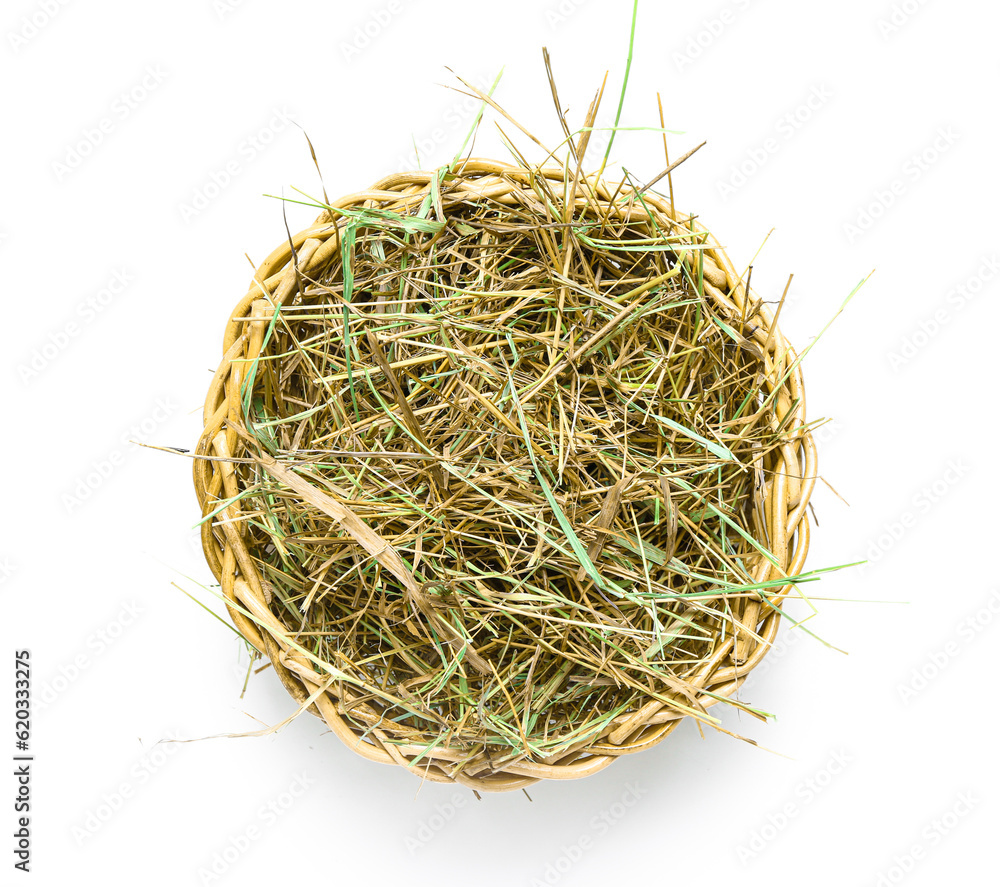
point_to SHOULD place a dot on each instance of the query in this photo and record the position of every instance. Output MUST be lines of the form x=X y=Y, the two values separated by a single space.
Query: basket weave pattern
x=785 y=479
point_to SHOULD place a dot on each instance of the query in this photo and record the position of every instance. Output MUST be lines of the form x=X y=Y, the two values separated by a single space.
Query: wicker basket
x=785 y=479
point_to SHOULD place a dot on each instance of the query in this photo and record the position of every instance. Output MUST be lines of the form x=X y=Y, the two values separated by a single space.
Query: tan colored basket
x=786 y=478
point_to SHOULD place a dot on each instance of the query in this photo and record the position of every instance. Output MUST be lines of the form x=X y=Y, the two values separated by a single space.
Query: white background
x=867 y=137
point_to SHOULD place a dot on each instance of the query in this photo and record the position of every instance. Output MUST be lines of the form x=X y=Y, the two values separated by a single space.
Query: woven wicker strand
x=787 y=480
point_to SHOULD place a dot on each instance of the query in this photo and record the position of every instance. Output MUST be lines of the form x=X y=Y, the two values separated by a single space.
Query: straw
x=506 y=471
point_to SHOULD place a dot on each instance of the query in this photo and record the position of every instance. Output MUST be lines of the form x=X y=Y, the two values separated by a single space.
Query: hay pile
x=508 y=472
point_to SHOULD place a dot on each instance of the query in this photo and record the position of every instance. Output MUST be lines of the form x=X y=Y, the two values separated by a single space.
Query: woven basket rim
x=275 y=282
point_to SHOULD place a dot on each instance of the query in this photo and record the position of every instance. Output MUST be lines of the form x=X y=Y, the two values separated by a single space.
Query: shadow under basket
x=505 y=472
